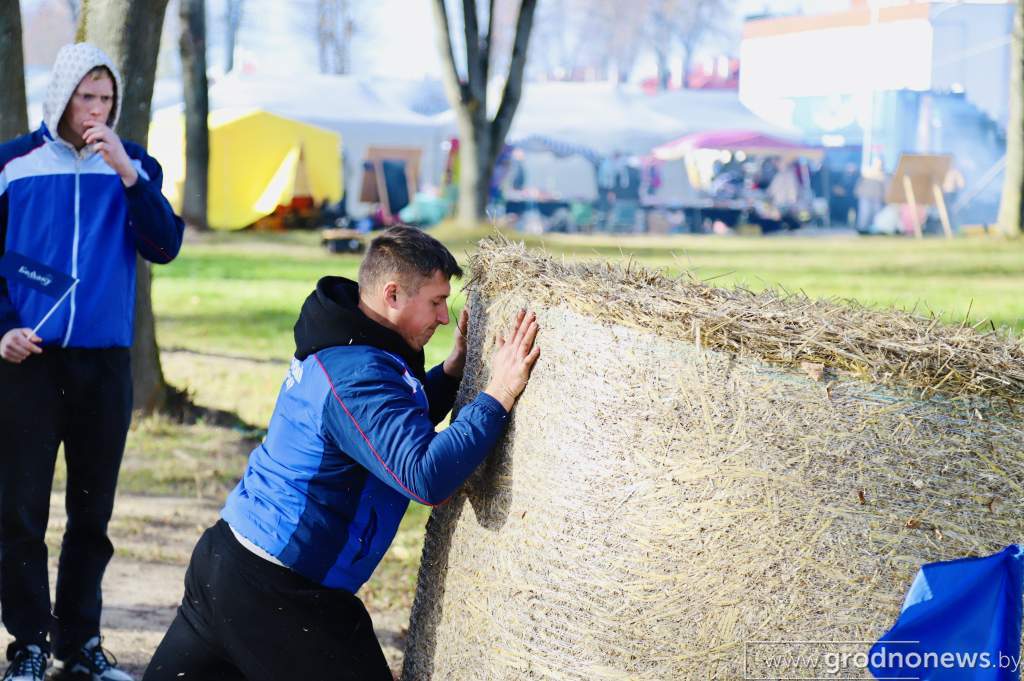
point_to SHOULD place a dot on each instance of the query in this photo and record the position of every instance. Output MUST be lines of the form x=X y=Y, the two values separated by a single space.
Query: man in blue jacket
x=78 y=200
x=270 y=591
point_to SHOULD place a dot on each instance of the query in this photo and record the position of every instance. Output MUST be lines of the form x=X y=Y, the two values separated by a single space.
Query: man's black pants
x=83 y=398
x=243 y=617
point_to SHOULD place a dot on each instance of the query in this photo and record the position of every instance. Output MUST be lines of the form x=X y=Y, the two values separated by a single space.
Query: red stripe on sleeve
x=366 y=439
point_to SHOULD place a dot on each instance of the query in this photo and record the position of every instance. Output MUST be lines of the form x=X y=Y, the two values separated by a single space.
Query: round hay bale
x=692 y=470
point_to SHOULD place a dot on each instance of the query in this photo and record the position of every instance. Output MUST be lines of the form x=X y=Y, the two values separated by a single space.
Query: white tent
x=710 y=110
x=346 y=105
x=570 y=178
x=605 y=117
x=424 y=96
x=602 y=117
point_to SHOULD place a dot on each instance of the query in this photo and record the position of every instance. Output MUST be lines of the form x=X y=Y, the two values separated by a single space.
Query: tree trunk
x=83 y=16
x=129 y=31
x=480 y=138
x=476 y=171
x=622 y=73
x=1011 y=206
x=664 y=74
x=74 y=7
x=197 y=108
x=232 y=21
x=13 y=109
x=687 y=64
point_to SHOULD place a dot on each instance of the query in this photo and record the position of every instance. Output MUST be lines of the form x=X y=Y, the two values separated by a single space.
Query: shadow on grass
x=180 y=408
x=225 y=355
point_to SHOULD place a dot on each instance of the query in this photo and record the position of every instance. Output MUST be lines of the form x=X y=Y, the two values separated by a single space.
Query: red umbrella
x=747 y=141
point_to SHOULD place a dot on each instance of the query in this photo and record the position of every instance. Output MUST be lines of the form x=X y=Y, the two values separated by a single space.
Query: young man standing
x=270 y=591
x=78 y=200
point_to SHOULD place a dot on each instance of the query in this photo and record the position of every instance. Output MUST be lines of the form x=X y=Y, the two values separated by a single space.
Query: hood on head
x=72 y=63
x=331 y=316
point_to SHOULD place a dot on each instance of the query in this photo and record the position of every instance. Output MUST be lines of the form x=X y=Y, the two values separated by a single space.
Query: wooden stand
x=918 y=181
x=908 y=190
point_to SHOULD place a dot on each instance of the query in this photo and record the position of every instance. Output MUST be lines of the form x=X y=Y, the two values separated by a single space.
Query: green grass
x=393 y=584
x=164 y=457
x=225 y=310
x=949 y=278
x=226 y=306
x=238 y=298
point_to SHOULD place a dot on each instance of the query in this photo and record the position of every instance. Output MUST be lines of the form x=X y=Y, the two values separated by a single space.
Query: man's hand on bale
x=514 y=360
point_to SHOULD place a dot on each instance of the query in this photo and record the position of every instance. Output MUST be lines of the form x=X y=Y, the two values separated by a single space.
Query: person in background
x=77 y=199
x=843 y=203
x=870 y=192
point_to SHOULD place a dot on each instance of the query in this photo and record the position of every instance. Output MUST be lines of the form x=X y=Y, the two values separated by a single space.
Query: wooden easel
x=373 y=187
x=918 y=180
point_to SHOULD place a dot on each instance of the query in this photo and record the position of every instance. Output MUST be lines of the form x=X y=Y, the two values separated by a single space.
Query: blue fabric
x=73 y=214
x=961 y=620
x=35 y=275
x=397 y=184
x=351 y=442
x=16 y=148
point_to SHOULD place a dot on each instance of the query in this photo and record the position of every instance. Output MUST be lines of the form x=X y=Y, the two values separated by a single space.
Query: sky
x=398 y=39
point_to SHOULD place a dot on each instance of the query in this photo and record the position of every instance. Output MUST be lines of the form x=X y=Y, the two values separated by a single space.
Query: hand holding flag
x=18 y=344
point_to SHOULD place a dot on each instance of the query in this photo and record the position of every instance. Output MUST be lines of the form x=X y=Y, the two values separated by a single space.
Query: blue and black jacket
x=69 y=210
x=351 y=442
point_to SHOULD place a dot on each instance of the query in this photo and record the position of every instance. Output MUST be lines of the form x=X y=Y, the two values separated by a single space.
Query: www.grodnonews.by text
x=839 y=659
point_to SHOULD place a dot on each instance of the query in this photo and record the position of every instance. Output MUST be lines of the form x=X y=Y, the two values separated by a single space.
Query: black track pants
x=243 y=617
x=82 y=398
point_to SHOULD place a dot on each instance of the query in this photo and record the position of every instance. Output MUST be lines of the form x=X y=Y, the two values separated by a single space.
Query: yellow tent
x=258 y=161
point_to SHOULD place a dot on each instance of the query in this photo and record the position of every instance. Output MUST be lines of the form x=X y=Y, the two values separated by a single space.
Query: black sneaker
x=91 y=663
x=29 y=664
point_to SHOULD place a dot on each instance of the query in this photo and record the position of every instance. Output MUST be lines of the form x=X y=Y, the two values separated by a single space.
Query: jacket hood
x=331 y=316
x=72 y=63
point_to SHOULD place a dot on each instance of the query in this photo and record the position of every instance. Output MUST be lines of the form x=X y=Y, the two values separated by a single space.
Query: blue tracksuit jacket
x=72 y=213
x=350 y=443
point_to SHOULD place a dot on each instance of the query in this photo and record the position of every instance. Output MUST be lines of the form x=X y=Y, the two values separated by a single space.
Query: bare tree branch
x=488 y=42
x=75 y=7
x=334 y=29
x=695 y=21
x=232 y=22
x=322 y=34
x=458 y=92
x=475 y=74
x=514 y=85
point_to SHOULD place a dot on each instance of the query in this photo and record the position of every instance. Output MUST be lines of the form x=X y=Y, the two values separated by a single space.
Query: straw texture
x=693 y=469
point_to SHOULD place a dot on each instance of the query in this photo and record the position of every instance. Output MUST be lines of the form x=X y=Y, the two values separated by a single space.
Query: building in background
x=892 y=77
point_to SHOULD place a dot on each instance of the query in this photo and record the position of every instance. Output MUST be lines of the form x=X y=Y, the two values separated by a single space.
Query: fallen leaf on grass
x=813 y=369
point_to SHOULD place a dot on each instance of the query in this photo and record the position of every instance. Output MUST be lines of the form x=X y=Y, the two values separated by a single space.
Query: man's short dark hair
x=409 y=256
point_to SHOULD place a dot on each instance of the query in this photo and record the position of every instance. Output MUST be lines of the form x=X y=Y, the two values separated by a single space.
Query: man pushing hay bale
x=693 y=470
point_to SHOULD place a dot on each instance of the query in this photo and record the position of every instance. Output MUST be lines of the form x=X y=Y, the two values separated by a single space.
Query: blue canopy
x=961 y=621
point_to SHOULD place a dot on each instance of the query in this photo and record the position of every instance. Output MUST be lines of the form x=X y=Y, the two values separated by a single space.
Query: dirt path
x=153 y=539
